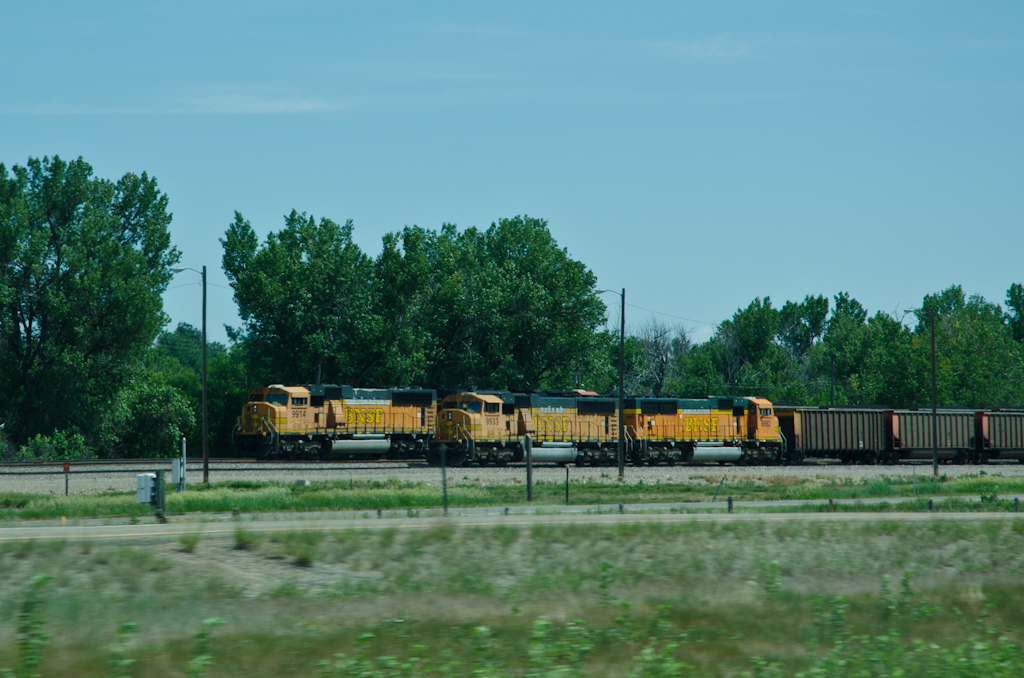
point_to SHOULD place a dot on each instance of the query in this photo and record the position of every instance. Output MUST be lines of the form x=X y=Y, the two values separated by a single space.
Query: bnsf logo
x=701 y=424
x=354 y=416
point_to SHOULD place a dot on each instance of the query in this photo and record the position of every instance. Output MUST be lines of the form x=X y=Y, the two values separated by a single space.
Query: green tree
x=979 y=362
x=304 y=299
x=83 y=264
x=508 y=308
x=800 y=325
x=502 y=308
x=1015 y=313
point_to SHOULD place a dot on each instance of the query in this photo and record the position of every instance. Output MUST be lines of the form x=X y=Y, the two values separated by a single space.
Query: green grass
x=568 y=600
x=268 y=497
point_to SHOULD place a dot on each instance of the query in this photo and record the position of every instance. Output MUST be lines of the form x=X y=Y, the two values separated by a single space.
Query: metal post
x=184 y=466
x=159 y=496
x=730 y=504
x=67 y=471
x=444 y=476
x=718 y=490
x=206 y=422
x=528 y=444
x=935 y=407
x=566 y=485
x=622 y=394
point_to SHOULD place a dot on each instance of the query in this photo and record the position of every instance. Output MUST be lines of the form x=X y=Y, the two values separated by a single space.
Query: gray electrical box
x=145 y=488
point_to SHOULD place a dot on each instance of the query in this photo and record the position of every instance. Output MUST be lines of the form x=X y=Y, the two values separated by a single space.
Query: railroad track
x=145 y=465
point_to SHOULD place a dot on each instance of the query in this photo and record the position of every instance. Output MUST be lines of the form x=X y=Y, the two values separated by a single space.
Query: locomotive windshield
x=277 y=398
x=255 y=397
x=471 y=406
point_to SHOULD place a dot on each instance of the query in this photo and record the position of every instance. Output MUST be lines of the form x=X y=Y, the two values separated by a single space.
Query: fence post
x=566 y=485
x=444 y=476
x=528 y=445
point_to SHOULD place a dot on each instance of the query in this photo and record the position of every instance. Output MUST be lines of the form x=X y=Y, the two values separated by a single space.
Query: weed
x=120 y=662
x=190 y=541
x=772 y=578
x=300 y=546
x=244 y=539
x=202 y=657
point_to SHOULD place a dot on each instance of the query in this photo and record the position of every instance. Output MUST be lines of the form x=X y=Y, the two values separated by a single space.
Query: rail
x=142 y=466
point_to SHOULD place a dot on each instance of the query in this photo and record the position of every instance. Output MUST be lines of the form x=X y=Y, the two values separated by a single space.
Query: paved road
x=548 y=515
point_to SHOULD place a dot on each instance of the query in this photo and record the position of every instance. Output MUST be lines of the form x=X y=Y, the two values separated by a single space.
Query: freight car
x=910 y=434
x=326 y=420
x=850 y=434
x=871 y=435
x=1001 y=434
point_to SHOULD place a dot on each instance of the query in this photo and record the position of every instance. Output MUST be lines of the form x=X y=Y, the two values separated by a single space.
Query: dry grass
x=736 y=590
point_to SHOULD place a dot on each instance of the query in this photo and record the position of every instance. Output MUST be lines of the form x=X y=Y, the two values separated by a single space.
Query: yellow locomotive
x=489 y=428
x=486 y=427
x=667 y=430
x=326 y=420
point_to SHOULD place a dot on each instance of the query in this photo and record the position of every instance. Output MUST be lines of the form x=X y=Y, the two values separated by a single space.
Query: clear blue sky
x=698 y=154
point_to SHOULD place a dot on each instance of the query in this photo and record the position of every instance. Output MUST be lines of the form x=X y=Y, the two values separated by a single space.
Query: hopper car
x=872 y=435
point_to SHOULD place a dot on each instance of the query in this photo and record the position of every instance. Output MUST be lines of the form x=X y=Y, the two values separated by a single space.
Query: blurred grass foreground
x=784 y=598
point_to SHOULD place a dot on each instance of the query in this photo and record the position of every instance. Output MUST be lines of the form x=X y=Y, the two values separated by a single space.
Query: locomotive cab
x=272 y=412
x=477 y=427
x=762 y=424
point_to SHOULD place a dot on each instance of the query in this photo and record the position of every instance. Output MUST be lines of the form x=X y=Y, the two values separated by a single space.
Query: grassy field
x=253 y=497
x=625 y=600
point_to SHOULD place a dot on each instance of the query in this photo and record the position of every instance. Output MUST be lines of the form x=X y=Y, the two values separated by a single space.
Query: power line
x=677 y=317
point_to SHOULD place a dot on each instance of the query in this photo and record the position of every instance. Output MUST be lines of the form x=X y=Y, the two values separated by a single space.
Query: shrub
x=61 y=446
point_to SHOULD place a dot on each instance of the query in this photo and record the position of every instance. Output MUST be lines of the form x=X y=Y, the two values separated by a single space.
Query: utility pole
x=622 y=393
x=206 y=419
x=622 y=382
x=935 y=407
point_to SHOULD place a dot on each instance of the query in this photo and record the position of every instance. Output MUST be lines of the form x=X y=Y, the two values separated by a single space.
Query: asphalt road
x=357 y=521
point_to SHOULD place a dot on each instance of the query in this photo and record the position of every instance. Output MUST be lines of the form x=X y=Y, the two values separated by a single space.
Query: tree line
x=88 y=365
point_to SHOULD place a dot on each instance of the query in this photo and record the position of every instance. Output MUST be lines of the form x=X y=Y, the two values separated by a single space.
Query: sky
x=697 y=154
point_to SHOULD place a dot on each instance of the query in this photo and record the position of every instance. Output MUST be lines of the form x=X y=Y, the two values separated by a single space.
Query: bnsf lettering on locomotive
x=701 y=424
x=364 y=416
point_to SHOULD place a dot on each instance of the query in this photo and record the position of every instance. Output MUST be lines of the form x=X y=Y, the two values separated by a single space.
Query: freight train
x=871 y=435
x=490 y=427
